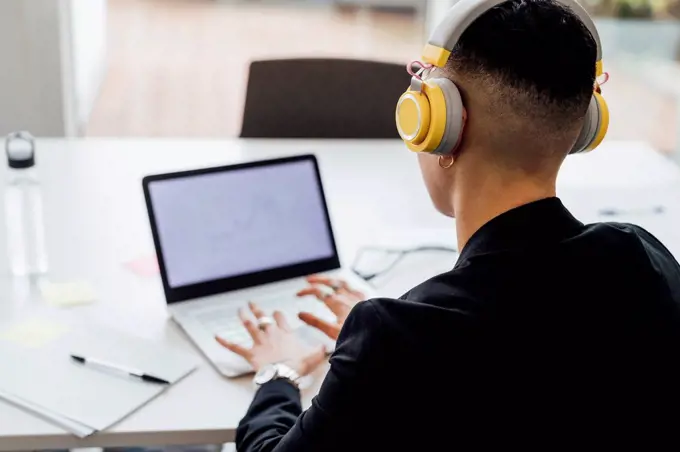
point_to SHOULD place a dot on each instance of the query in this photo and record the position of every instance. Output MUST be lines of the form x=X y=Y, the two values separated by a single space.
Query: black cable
x=400 y=252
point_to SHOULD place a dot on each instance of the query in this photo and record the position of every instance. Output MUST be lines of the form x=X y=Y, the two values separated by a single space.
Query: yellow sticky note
x=68 y=293
x=34 y=333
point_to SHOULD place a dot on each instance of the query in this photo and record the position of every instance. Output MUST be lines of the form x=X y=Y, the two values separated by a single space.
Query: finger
x=313 y=361
x=351 y=293
x=281 y=321
x=359 y=294
x=320 y=279
x=329 y=329
x=315 y=291
x=333 y=283
x=336 y=304
x=255 y=309
x=241 y=351
x=333 y=302
x=341 y=285
x=252 y=329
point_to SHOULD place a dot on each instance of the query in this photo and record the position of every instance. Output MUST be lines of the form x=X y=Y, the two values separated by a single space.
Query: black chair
x=322 y=98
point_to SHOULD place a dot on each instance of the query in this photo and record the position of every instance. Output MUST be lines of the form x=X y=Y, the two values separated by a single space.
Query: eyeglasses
x=385 y=259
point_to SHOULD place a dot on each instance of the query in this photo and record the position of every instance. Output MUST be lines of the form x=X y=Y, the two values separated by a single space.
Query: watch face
x=264 y=375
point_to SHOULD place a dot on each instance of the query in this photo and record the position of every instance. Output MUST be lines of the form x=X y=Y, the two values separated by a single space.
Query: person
x=546 y=329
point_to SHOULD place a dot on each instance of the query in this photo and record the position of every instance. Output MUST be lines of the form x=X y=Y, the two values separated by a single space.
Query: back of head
x=526 y=71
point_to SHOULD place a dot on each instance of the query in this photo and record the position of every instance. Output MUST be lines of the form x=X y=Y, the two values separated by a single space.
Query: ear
x=458 y=147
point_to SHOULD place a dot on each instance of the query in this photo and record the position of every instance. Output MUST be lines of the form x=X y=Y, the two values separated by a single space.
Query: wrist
x=298 y=367
x=278 y=371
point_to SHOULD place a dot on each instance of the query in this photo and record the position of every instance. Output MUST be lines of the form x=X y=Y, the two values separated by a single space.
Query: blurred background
x=179 y=68
x=182 y=69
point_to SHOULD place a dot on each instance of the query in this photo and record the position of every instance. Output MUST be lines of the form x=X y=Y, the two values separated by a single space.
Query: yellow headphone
x=430 y=115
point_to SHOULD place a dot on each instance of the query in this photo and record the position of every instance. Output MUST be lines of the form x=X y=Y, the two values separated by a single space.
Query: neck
x=478 y=200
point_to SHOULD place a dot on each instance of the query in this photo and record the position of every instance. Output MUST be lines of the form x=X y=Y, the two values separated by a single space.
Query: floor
x=178 y=68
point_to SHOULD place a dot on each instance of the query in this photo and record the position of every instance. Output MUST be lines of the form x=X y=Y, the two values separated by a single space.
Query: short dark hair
x=539 y=52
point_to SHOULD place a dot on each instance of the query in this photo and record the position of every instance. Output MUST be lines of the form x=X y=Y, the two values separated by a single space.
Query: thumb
x=314 y=359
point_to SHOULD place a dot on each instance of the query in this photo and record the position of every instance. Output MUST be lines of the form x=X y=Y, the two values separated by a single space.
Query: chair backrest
x=322 y=98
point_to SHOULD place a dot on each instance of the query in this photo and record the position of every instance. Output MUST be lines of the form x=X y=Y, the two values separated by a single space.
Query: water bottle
x=23 y=208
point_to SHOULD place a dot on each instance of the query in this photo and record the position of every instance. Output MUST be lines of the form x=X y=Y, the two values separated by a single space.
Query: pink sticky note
x=146 y=266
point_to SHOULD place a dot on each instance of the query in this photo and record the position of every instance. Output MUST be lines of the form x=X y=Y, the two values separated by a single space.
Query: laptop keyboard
x=224 y=321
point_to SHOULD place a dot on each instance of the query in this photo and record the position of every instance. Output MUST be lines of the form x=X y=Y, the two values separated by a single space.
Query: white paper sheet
x=67 y=424
x=48 y=381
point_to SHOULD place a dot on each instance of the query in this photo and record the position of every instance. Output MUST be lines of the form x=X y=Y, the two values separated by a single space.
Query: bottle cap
x=20 y=148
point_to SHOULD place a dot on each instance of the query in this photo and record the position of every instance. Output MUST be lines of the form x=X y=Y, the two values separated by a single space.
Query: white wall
x=435 y=12
x=53 y=55
x=88 y=39
x=31 y=82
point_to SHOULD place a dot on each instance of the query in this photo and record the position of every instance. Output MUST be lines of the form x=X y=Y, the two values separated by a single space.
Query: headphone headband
x=431 y=116
x=465 y=12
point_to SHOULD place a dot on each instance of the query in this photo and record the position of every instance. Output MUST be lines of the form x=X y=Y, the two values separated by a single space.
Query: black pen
x=126 y=370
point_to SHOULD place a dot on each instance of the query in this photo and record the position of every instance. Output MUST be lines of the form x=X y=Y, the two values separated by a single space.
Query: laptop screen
x=242 y=220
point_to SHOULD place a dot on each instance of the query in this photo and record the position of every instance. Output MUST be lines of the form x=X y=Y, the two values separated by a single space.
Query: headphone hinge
x=416 y=84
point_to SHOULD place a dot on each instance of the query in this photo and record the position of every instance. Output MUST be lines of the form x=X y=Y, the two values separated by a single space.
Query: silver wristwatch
x=278 y=371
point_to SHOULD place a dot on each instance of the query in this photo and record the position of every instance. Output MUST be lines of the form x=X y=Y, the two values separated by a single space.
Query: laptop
x=246 y=232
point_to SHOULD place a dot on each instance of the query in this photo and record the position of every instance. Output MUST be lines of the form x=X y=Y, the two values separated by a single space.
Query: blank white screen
x=231 y=223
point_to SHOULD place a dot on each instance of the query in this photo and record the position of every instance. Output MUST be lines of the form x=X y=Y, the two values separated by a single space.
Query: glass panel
x=641 y=49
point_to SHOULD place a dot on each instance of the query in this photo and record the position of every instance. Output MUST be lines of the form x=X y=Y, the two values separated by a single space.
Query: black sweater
x=546 y=331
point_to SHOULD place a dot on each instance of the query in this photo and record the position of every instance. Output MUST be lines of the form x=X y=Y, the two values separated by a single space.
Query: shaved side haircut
x=526 y=68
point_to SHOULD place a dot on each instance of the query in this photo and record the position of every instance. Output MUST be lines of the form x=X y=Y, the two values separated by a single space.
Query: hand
x=275 y=343
x=340 y=303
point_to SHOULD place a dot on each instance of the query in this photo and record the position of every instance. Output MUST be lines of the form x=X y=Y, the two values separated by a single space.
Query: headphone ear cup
x=454 y=116
x=603 y=121
x=589 y=128
x=595 y=125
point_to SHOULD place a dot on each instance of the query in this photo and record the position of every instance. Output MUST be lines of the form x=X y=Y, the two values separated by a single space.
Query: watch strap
x=277 y=371
x=285 y=372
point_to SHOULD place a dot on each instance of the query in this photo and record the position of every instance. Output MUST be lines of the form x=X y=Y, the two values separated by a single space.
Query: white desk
x=96 y=220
